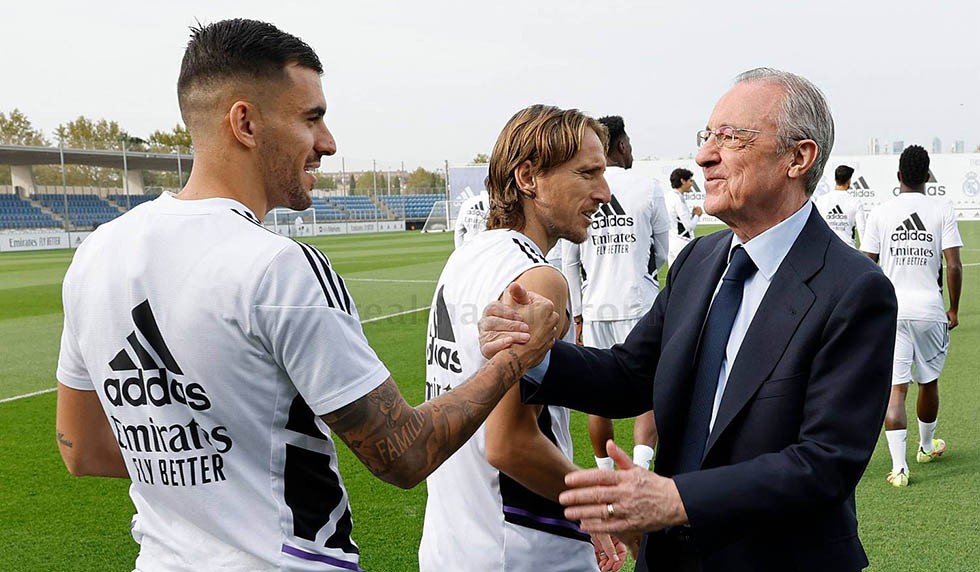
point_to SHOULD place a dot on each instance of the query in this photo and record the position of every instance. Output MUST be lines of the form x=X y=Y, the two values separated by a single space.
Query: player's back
x=840 y=210
x=177 y=315
x=619 y=282
x=909 y=233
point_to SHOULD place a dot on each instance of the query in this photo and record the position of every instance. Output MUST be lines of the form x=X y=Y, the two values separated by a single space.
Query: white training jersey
x=616 y=267
x=214 y=345
x=472 y=218
x=477 y=518
x=682 y=221
x=844 y=214
x=909 y=234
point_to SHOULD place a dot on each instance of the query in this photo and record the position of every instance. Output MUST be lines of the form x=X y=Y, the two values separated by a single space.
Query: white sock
x=642 y=456
x=605 y=463
x=896 y=446
x=926 y=432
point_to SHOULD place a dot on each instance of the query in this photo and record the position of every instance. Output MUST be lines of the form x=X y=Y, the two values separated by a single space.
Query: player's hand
x=697 y=211
x=953 y=317
x=503 y=325
x=539 y=313
x=610 y=552
x=625 y=502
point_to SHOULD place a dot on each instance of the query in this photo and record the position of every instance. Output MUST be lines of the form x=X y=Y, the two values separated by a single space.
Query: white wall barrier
x=14 y=241
x=953 y=176
x=40 y=240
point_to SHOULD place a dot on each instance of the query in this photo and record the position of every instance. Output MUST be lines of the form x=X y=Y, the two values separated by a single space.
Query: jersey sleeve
x=860 y=220
x=951 y=231
x=303 y=313
x=71 y=368
x=571 y=267
x=872 y=242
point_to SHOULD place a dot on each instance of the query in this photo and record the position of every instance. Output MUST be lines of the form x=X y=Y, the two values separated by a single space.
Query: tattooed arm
x=402 y=444
x=85 y=438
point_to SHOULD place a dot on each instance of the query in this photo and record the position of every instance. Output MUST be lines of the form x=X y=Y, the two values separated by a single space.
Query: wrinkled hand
x=953 y=317
x=610 y=552
x=642 y=501
x=503 y=326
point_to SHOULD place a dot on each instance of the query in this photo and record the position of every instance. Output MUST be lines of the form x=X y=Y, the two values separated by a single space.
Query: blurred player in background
x=843 y=212
x=684 y=219
x=616 y=271
x=910 y=236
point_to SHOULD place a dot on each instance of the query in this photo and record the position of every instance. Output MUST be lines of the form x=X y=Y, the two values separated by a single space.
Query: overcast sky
x=425 y=81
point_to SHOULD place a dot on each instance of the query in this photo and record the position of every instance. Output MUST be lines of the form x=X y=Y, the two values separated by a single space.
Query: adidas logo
x=932 y=178
x=150 y=385
x=441 y=330
x=912 y=228
x=611 y=214
x=836 y=213
x=859 y=185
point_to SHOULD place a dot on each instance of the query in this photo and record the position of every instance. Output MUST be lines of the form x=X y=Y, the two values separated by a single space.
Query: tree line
x=85 y=133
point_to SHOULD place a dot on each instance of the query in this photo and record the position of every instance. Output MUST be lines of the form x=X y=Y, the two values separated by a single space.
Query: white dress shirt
x=767 y=251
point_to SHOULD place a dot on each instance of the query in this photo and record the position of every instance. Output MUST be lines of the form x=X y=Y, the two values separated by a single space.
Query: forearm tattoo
x=64 y=442
x=403 y=444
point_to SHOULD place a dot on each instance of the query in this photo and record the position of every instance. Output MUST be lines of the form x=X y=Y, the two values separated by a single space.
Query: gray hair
x=804 y=114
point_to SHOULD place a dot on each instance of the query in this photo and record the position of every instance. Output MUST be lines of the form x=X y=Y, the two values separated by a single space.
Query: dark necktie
x=714 y=341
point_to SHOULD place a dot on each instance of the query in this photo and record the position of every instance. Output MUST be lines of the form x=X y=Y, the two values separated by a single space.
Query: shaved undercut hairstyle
x=547 y=137
x=247 y=52
x=913 y=166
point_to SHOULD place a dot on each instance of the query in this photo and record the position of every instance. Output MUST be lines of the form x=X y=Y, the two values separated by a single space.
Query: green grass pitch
x=52 y=521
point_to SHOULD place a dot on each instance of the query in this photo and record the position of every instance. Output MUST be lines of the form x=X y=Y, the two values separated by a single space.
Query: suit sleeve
x=844 y=406
x=614 y=383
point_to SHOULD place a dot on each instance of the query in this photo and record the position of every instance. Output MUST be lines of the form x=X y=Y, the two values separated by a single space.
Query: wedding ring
x=610 y=510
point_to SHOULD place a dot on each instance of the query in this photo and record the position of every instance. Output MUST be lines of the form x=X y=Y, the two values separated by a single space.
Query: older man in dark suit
x=767 y=357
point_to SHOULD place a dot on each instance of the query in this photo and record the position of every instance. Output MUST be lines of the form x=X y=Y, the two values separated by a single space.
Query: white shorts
x=920 y=346
x=606 y=334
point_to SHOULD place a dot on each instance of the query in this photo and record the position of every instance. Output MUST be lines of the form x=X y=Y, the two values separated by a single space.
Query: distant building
x=898 y=147
x=959 y=146
x=874 y=148
x=937 y=145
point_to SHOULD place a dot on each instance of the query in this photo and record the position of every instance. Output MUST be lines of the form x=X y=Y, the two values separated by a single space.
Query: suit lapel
x=782 y=309
x=690 y=293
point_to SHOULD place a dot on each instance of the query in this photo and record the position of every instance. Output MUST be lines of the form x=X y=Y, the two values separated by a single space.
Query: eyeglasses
x=727 y=137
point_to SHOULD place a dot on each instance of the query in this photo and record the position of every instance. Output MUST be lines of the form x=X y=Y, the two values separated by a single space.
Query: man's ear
x=804 y=155
x=526 y=180
x=243 y=118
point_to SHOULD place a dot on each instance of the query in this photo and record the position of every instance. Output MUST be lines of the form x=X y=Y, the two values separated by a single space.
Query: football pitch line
x=399 y=280
x=368 y=321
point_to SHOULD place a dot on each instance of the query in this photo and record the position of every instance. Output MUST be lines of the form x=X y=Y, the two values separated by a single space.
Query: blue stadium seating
x=83 y=210
x=412 y=207
x=17 y=213
x=134 y=200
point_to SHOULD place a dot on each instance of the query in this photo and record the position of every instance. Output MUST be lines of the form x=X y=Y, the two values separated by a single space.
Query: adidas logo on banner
x=441 y=349
x=859 y=185
x=150 y=384
x=912 y=228
x=611 y=214
x=932 y=178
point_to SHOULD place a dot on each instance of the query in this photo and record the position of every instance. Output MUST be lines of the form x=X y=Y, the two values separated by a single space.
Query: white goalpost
x=288 y=222
x=442 y=217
